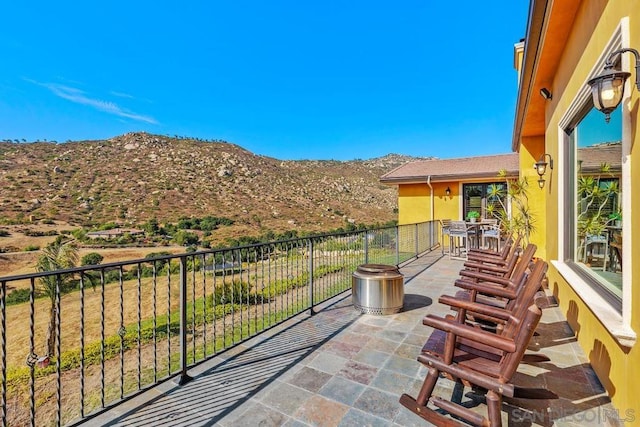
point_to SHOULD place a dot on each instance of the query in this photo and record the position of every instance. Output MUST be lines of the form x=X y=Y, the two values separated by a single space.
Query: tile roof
x=594 y=156
x=453 y=169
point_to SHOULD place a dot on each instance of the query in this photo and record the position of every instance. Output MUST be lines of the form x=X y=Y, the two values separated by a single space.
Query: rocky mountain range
x=132 y=178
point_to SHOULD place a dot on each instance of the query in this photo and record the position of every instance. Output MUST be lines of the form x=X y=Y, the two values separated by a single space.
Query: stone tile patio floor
x=343 y=368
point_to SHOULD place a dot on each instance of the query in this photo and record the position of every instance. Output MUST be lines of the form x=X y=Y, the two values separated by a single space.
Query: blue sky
x=287 y=79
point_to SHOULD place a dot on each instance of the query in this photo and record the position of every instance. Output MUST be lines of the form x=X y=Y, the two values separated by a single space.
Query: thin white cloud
x=121 y=94
x=80 y=97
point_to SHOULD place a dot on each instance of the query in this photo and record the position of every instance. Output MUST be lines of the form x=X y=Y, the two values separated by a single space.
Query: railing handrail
x=274 y=278
x=116 y=264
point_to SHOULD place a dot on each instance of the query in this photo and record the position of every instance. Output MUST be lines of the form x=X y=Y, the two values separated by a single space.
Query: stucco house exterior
x=566 y=46
x=448 y=188
x=586 y=205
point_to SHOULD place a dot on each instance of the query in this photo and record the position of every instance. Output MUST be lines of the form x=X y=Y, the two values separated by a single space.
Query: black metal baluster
x=3 y=348
x=204 y=305
x=193 y=307
x=58 y=354
x=102 y=390
x=247 y=290
x=82 y=345
x=184 y=377
x=121 y=331
x=299 y=257
x=214 y=303
x=255 y=318
x=139 y=328
x=239 y=297
x=269 y=281
x=32 y=353
x=223 y=300
x=233 y=298
x=155 y=321
x=287 y=310
x=169 y=317
x=310 y=268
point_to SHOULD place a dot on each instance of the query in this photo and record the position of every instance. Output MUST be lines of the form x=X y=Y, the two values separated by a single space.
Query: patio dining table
x=475 y=229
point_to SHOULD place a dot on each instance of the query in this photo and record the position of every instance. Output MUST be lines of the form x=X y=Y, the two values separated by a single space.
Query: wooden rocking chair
x=497 y=286
x=465 y=360
x=500 y=264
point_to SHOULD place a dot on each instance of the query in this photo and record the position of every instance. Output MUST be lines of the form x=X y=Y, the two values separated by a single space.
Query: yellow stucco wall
x=617 y=367
x=414 y=202
x=447 y=207
x=531 y=149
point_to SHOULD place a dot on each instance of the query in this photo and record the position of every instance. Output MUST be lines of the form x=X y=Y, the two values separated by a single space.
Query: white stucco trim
x=610 y=318
x=617 y=323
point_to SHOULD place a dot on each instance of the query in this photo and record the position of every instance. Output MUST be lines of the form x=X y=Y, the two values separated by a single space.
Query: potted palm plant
x=519 y=219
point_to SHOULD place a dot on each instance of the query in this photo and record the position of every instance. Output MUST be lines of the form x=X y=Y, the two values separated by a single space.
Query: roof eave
x=445 y=178
x=532 y=47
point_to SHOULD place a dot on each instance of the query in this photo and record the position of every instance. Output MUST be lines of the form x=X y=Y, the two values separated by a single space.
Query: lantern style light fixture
x=541 y=168
x=607 y=88
x=447 y=191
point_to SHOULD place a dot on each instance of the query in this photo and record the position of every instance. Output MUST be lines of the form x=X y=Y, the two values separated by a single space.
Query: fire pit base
x=377 y=289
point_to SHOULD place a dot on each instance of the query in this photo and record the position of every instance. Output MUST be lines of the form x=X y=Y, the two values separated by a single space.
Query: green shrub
x=237 y=291
x=32 y=248
x=33 y=233
x=18 y=296
x=4 y=233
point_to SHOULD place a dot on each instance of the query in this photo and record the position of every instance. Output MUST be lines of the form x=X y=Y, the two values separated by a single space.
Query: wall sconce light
x=546 y=94
x=541 y=168
x=607 y=88
x=447 y=191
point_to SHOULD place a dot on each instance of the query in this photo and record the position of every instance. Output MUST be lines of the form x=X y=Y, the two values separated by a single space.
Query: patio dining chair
x=445 y=225
x=615 y=246
x=458 y=239
x=596 y=249
x=491 y=232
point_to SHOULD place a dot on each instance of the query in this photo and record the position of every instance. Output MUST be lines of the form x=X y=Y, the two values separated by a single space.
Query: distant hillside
x=137 y=176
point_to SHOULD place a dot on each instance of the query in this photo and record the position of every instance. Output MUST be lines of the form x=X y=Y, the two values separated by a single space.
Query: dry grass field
x=21 y=262
x=121 y=302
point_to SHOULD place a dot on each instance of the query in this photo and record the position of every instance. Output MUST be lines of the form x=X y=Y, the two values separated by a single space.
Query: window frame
x=613 y=313
x=485 y=199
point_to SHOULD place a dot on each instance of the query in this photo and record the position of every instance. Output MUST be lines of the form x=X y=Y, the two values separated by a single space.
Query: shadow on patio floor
x=343 y=368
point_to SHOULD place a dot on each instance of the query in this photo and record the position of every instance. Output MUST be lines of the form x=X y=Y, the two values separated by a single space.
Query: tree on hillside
x=151 y=227
x=185 y=238
x=58 y=255
x=92 y=258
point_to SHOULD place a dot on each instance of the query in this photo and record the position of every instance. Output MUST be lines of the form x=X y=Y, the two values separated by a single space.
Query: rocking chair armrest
x=485 y=277
x=475 y=377
x=480 y=251
x=486 y=267
x=486 y=289
x=487 y=259
x=475 y=307
x=470 y=333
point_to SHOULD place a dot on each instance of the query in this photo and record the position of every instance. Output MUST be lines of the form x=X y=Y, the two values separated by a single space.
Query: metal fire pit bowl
x=377 y=289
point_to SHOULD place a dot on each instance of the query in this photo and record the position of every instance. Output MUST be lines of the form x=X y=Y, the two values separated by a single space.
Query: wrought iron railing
x=104 y=333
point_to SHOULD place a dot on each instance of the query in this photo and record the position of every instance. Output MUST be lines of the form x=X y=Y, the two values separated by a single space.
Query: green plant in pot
x=616 y=218
x=473 y=216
